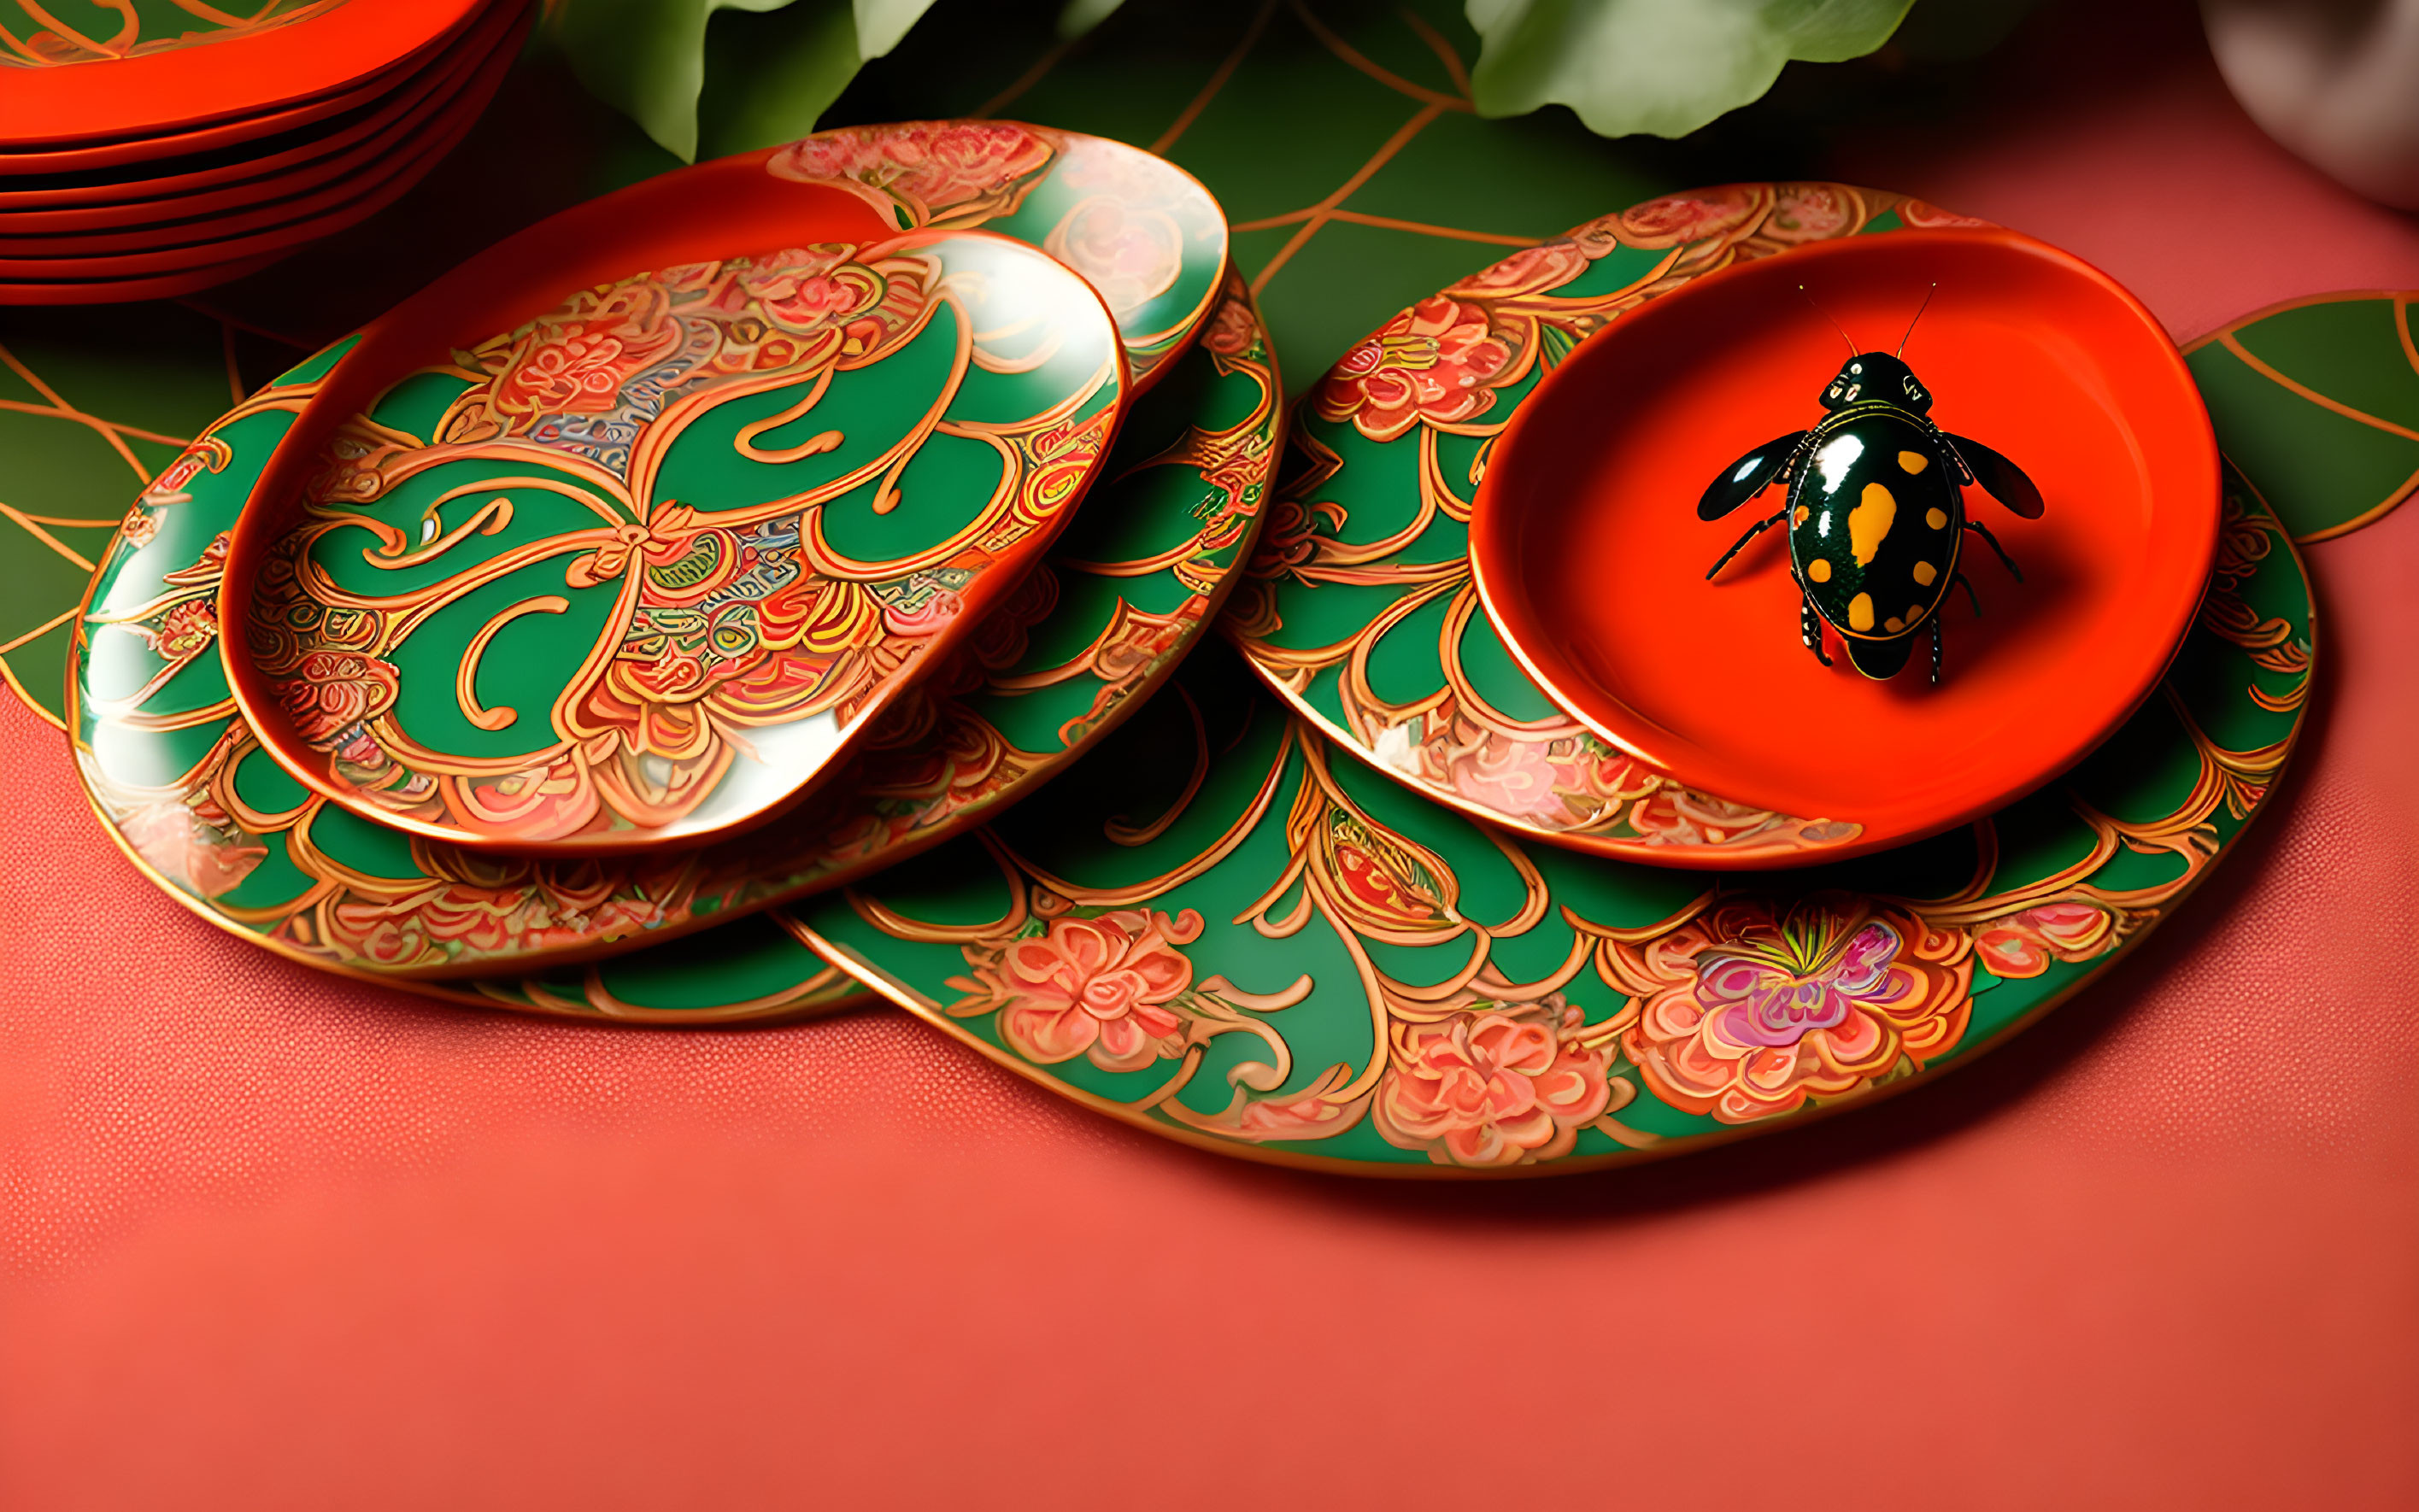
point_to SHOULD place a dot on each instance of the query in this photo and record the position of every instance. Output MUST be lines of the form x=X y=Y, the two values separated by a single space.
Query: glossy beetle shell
x=1876 y=516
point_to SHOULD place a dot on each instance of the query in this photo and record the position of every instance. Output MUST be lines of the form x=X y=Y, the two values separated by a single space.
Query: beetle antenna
x=1827 y=315
x=1918 y=315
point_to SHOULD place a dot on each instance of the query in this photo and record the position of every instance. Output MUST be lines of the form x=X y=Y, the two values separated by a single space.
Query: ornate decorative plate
x=186 y=791
x=1217 y=930
x=1361 y=610
x=635 y=568
x=1592 y=559
x=77 y=70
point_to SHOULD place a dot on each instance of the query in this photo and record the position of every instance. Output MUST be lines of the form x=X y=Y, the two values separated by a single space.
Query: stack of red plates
x=142 y=158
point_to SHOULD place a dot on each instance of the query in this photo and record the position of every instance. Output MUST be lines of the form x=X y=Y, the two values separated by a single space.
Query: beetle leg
x=2005 y=561
x=1752 y=531
x=1971 y=597
x=1810 y=628
x=1935 y=650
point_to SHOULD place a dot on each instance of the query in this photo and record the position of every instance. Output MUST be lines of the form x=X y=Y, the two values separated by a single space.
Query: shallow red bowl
x=1591 y=559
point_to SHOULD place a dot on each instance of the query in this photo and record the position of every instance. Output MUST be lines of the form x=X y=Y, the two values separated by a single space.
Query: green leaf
x=880 y=23
x=646 y=58
x=769 y=77
x=1663 y=66
x=2317 y=400
x=759 y=75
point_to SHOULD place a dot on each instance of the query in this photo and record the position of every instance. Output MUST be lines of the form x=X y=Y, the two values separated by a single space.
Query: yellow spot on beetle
x=1914 y=460
x=1870 y=521
x=1914 y=613
x=1925 y=573
x=1860 y=612
x=1937 y=519
x=1819 y=570
x=1802 y=512
x=1893 y=624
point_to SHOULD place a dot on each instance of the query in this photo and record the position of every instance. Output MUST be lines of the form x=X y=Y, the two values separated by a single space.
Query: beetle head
x=1877 y=375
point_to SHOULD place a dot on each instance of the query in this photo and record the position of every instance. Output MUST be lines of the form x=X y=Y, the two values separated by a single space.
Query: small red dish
x=1592 y=561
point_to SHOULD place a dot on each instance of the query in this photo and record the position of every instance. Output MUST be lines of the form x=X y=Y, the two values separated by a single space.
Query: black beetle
x=1876 y=511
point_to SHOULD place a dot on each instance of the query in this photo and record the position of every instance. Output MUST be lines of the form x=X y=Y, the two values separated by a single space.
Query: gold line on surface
x=212 y=312
x=2226 y=339
x=1324 y=210
x=1233 y=60
x=1355 y=58
x=2399 y=495
x=1025 y=81
x=1421 y=228
x=9 y=674
x=39 y=631
x=1441 y=47
x=25 y=521
x=235 y=374
x=466 y=696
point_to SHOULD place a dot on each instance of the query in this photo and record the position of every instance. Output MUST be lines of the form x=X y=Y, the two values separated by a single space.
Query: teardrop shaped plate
x=568 y=558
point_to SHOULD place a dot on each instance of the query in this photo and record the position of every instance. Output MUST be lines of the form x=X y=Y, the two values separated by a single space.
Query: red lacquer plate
x=381 y=168
x=1592 y=561
x=349 y=205
x=239 y=78
x=129 y=290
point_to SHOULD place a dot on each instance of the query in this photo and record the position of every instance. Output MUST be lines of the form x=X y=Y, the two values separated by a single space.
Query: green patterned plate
x=1361 y=611
x=636 y=566
x=1216 y=930
x=184 y=788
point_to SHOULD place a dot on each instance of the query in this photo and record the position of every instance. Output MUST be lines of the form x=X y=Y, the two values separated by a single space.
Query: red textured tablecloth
x=273 y=1240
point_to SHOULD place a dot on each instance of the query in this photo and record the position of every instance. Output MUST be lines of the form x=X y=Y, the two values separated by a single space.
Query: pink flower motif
x=1749 y=1011
x=2023 y=944
x=796 y=287
x=1678 y=218
x=1812 y=212
x=1232 y=328
x=1496 y=1084
x=1434 y=363
x=196 y=846
x=1922 y=216
x=331 y=692
x=919 y=172
x=925 y=619
x=1097 y=987
x=1682 y=816
x=1513 y=777
x=1131 y=259
x=576 y=361
x=1530 y=271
